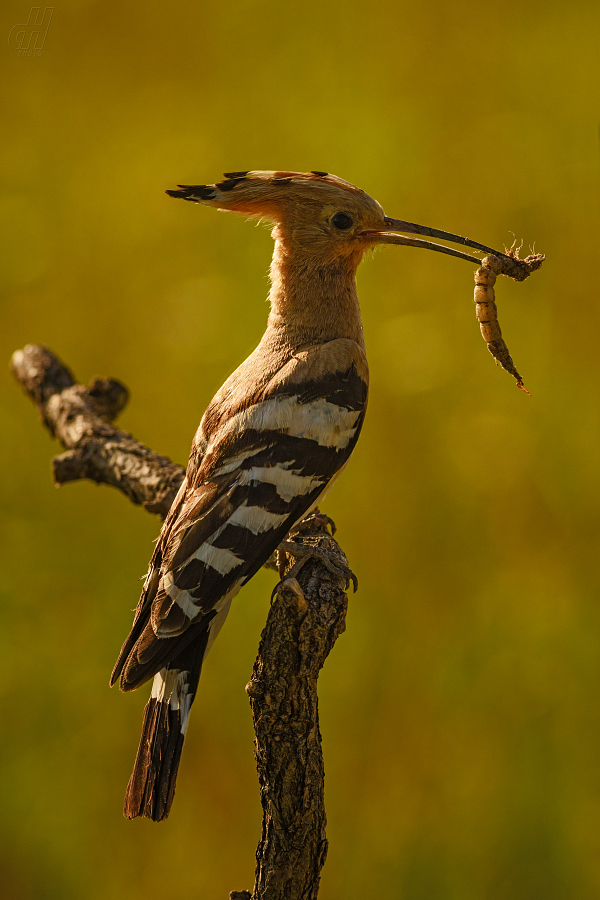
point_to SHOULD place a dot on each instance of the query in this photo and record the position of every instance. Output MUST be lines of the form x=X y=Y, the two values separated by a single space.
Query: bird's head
x=317 y=214
x=313 y=212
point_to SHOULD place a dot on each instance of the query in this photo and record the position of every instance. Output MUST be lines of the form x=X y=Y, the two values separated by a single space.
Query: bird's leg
x=315 y=525
x=303 y=553
x=314 y=522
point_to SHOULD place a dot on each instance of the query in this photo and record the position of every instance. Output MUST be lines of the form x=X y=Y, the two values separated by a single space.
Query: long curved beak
x=385 y=237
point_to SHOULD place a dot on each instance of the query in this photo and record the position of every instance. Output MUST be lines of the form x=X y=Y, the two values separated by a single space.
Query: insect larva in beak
x=487 y=315
x=485 y=303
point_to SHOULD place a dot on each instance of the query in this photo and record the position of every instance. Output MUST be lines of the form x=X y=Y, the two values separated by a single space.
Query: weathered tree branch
x=301 y=629
x=80 y=418
x=302 y=626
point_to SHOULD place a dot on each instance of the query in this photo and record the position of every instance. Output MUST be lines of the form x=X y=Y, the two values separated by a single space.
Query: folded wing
x=266 y=458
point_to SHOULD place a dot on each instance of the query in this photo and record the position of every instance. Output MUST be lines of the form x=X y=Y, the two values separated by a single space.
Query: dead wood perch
x=302 y=625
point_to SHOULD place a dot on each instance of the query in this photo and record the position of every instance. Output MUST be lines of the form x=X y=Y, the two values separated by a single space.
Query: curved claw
x=315 y=517
x=327 y=520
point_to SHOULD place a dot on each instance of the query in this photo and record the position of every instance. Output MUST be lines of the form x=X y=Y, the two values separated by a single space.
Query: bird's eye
x=342 y=221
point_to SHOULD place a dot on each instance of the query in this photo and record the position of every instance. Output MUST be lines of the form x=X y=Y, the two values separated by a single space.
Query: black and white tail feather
x=151 y=787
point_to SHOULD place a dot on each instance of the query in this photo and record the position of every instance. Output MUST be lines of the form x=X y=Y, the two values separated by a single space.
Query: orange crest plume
x=265 y=194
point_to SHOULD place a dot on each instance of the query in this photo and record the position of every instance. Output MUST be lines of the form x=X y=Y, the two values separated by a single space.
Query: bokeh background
x=460 y=710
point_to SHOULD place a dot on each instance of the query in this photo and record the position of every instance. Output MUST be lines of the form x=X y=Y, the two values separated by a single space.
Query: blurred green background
x=460 y=710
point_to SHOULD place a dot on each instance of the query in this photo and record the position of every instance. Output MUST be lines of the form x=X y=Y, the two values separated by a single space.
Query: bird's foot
x=303 y=553
x=316 y=524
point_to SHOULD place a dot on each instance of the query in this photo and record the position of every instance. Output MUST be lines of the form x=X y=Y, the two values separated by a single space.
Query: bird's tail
x=151 y=787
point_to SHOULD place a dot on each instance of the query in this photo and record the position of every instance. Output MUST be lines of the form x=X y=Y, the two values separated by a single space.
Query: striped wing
x=265 y=463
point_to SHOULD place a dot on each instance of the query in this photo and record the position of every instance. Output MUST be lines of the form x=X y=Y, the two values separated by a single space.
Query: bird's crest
x=263 y=194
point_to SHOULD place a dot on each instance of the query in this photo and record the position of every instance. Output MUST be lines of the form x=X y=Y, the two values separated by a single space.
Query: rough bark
x=303 y=625
x=305 y=619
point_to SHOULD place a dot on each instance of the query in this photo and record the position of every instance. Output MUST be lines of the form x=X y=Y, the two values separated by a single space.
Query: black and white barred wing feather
x=265 y=460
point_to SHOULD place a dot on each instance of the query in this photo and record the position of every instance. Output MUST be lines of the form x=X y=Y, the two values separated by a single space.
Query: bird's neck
x=312 y=301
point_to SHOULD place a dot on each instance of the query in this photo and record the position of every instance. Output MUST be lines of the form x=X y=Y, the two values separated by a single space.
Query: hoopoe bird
x=273 y=440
